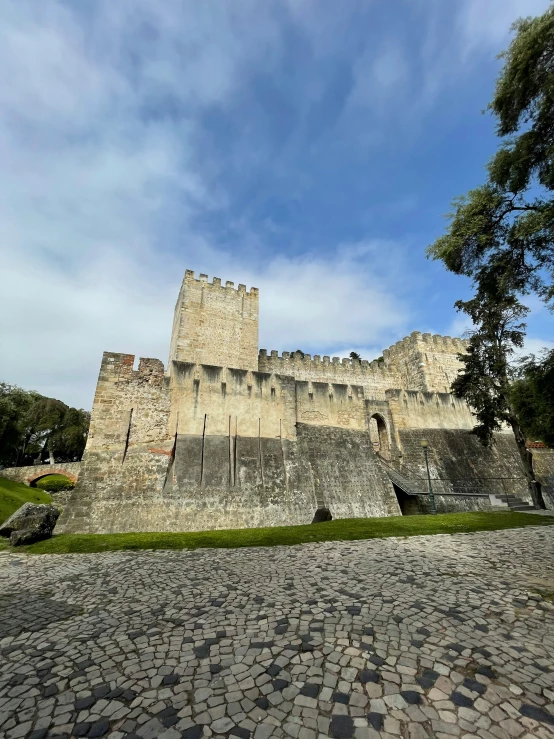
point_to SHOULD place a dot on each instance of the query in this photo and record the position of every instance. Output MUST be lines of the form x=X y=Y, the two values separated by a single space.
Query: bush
x=55 y=483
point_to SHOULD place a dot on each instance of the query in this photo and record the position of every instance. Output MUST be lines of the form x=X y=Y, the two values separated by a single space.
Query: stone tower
x=215 y=325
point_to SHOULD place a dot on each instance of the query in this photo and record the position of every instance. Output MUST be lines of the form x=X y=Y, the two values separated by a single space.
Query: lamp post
x=425 y=446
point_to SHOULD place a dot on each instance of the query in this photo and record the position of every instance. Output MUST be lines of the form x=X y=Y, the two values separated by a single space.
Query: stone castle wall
x=543 y=464
x=419 y=362
x=211 y=447
x=215 y=324
x=227 y=437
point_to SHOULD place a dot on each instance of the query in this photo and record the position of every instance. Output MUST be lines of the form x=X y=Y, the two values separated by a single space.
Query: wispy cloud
x=138 y=140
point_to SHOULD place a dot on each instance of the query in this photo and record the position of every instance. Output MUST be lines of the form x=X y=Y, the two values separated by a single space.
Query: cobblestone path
x=442 y=636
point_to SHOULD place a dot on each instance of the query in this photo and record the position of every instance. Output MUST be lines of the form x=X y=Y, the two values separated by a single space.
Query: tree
x=46 y=418
x=484 y=381
x=14 y=431
x=355 y=356
x=34 y=427
x=501 y=234
x=532 y=396
x=507 y=224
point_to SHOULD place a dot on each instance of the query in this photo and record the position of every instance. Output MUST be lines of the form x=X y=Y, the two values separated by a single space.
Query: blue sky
x=307 y=148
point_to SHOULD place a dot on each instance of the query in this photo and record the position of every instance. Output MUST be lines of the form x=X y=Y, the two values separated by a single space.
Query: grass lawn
x=14 y=494
x=341 y=530
x=51 y=479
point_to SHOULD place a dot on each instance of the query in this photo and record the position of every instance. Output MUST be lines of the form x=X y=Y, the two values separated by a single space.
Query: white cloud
x=535 y=345
x=326 y=305
x=380 y=76
x=104 y=184
x=485 y=26
x=56 y=335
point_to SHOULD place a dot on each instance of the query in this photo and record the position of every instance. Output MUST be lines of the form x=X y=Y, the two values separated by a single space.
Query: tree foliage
x=532 y=396
x=501 y=234
x=355 y=356
x=34 y=427
x=485 y=381
x=507 y=224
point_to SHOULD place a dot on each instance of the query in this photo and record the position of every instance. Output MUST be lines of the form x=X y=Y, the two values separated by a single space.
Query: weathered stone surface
x=32 y=522
x=27 y=536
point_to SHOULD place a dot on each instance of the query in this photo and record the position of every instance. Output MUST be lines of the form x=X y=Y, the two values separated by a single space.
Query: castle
x=228 y=436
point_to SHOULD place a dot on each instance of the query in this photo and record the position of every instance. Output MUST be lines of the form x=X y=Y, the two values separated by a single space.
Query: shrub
x=55 y=483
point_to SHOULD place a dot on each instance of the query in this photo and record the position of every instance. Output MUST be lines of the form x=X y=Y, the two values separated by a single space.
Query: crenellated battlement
x=419 y=362
x=425 y=342
x=216 y=282
x=215 y=324
x=275 y=363
x=117 y=366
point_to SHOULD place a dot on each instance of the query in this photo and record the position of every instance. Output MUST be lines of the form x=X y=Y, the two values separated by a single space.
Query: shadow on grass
x=340 y=530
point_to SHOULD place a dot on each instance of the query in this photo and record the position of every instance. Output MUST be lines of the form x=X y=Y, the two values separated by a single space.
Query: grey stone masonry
x=420 y=638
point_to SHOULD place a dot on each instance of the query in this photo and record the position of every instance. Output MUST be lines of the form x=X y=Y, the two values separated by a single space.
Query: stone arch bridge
x=30 y=475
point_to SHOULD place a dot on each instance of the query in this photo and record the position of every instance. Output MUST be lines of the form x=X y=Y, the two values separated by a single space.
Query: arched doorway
x=379 y=435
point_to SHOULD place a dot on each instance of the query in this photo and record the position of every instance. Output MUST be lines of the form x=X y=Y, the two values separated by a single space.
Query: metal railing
x=414 y=484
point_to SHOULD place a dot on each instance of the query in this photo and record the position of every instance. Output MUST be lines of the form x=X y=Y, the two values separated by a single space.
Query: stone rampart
x=417 y=409
x=214 y=447
x=419 y=362
x=459 y=463
x=375 y=377
x=126 y=456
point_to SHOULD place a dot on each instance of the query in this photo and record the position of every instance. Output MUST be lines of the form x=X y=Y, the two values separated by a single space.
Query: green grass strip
x=14 y=494
x=53 y=479
x=341 y=530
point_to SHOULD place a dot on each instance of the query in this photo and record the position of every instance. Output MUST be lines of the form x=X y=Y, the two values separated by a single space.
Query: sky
x=309 y=148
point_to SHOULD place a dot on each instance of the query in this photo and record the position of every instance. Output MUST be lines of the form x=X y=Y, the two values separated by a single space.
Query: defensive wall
x=227 y=437
x=209 y=447
x=423 y=362
x=32 y=473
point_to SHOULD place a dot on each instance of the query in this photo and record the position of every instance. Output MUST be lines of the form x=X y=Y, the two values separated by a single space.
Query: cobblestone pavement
x=442 y=636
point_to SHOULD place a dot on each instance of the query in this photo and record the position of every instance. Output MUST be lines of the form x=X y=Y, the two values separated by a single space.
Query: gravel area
x=432 y=636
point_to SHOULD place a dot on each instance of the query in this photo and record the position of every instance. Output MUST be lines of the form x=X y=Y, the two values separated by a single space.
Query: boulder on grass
x=32 y=522
x=321 y=515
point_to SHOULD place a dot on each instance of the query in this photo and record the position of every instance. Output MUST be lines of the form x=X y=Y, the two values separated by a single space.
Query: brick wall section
x=29 y=474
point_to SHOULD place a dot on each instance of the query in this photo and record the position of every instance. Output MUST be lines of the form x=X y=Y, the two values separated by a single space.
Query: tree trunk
x=527 y=462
